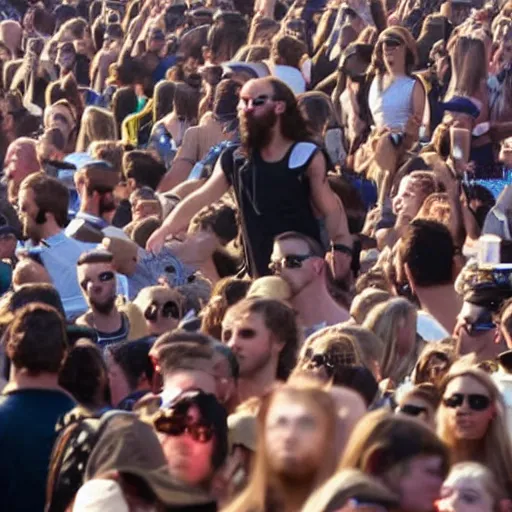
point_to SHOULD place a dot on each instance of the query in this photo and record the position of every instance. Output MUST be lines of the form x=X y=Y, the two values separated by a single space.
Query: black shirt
x=272 y=199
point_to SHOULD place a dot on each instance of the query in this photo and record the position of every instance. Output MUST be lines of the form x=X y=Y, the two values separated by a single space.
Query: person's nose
x=234 y=343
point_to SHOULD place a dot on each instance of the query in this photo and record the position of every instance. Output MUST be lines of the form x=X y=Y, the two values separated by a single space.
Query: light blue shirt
x=60 y=261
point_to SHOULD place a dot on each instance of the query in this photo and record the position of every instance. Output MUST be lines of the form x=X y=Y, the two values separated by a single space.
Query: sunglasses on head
x=104 y=277
x=169 y=310
x=476 y=401
x=289 y=261
x=254 y=102
x=178 y=425
x=411 y=410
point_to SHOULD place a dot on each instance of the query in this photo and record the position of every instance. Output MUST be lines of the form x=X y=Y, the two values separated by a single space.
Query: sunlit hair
x=436 y=207
x=469 y=67
x=257 y=496
x=318 y=111
x=280 y=320
x=411 y=56
x=365 y=301
x=495 y=449
x=422 y=370
x=475 y=472
x=382 y=443
x=386 y=320
x=97 y=124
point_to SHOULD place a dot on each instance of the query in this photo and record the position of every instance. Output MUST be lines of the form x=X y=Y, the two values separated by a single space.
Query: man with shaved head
x=279 y=179
x=21 y=160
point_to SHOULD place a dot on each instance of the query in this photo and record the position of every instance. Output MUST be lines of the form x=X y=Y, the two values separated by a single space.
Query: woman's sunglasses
x=104 y=277
x=169 y=310
x=476 y=401
x=254 y=102
x=177 y=426
x=290 y=261
x=391 y=43
x=246 y=334
x=411 y=410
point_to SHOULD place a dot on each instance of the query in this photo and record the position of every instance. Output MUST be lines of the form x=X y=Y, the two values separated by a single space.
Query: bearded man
x=279 y=177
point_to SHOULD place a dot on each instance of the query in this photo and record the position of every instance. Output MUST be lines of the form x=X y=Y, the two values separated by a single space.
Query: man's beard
x=31 y=232
x=107 y=205
x=104 y=308
x=256 y=132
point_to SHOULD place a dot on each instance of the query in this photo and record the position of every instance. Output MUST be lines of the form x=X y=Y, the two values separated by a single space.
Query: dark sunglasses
x=411 y=410
x=104 y=277
x=246 y=334
x=169 y=310
x=177 y=426
x=481 y=324
x=476 y=402
x=254 y=102
x=392 y=43
x=289 y=261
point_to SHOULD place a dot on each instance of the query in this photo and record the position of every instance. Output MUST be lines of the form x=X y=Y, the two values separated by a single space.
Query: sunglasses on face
x=169 y=310
x=177 y=426
x=391 y=43
x=411 y=410
x=476 y=401
x=290 y=261
x=254 y=102
x=104 y=277
x=478 y=326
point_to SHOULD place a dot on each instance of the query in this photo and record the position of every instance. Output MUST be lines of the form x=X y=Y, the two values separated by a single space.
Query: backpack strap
x=301 y=154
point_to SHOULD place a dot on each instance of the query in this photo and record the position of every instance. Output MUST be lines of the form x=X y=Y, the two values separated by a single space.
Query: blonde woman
x=471 y=421
x=471 y=487
x=394 y=322
x=97 y=124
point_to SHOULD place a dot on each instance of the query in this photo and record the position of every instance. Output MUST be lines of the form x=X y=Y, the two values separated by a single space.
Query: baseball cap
x=98 y=495
x=461 y=105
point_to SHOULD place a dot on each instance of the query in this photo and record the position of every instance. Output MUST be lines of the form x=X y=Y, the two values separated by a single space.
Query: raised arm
x=180 y=217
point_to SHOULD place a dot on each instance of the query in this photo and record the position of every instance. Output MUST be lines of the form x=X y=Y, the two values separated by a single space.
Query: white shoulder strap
x=300 y=154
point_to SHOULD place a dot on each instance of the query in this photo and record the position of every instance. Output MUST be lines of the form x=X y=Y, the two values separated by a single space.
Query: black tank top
x=272 y=199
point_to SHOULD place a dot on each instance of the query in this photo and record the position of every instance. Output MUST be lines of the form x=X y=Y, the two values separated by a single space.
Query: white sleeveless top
x=392 y=107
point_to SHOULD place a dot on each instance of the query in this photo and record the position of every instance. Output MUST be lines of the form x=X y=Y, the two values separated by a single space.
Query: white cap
x=100 y=495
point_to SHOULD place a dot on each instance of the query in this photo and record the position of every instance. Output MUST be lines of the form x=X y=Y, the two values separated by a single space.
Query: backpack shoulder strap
x=301 y=154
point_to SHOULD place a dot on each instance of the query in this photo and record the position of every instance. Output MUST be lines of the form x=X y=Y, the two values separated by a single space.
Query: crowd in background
x=256 y=255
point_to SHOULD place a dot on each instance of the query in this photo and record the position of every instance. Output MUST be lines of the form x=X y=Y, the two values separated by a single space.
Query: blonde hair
x=257 y=494
x=97 y=124
x=365 y=301
x=477 y=471
x=385 y=320
x=496 y=449
x=443 y=213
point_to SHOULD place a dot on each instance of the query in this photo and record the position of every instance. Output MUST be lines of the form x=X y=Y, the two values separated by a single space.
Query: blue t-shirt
x=27 y=434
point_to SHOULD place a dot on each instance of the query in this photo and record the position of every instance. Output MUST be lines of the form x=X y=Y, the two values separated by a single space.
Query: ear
x=280 y=108
x=409 y=277
x=132 y=185
x=319 y=265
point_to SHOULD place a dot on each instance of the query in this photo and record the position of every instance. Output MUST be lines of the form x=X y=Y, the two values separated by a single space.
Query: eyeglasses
x=254 y=102
x=476 y=401
x=411 y=410
x=478 y=326
x=289 y=261
x=168 y=310
x=246 y=334
x=177 y=426
x=104 y=277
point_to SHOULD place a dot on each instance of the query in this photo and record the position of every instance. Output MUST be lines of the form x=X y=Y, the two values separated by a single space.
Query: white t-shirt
x=429 y=328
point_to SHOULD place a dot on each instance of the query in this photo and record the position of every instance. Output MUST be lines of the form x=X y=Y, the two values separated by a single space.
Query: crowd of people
x=256 y=255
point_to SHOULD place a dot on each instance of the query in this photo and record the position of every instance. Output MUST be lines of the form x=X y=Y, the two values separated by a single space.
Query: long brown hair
x=496 y=449
x=293 y=124
x=256 y=496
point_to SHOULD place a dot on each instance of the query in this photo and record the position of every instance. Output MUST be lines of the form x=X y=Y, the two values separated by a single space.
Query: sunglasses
x=254 y=102
x=411 y=410
x=177 y=426
x=391 y=43
x=246 y=334
x=104 y=277
x=476 y=402
x=169 y=310
x=478 y=326
x=290 y=261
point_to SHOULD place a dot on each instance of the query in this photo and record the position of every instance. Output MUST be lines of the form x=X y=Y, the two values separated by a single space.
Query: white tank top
x=392 y=107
